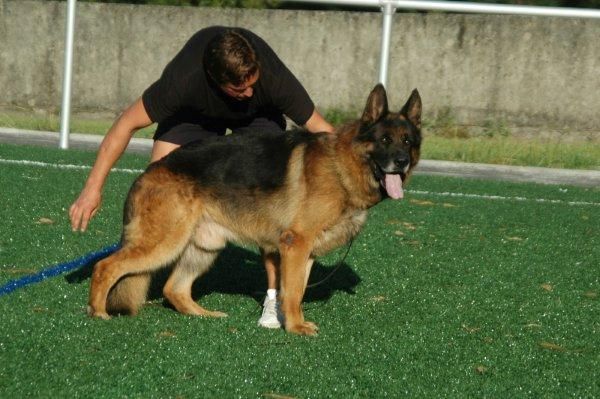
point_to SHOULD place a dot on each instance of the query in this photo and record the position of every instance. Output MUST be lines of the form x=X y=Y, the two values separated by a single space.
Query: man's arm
x=111 y=149
x=317 y=124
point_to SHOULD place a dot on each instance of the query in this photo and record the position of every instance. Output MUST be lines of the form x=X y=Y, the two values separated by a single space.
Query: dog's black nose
x=402 y=161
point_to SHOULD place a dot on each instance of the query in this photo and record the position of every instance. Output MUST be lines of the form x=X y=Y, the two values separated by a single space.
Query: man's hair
x=230 y=58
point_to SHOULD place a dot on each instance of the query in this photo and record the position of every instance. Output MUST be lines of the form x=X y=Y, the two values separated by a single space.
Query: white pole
x=388 y=10
x=66 y=95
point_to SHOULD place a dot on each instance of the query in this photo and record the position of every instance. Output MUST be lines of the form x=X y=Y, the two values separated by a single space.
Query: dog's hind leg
x=129 y=260
x=194 y=262
x=144 y=251
x=128 y=294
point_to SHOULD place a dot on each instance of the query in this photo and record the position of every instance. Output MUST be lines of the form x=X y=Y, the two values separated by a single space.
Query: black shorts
x=185 y=131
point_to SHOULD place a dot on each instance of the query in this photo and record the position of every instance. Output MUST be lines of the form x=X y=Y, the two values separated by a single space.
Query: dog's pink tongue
x=393 y=186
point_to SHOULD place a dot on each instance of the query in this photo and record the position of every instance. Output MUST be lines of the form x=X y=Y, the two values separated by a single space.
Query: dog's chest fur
x=346 y=228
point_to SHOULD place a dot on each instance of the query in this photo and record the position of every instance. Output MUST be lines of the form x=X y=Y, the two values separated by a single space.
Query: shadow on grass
x=240 y=271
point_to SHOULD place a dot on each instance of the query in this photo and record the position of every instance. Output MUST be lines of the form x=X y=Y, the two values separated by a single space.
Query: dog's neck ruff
x=362 y=182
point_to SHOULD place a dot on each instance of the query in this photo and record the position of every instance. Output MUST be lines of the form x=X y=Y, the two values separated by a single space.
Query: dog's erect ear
x=377 y=105
x=412 y=109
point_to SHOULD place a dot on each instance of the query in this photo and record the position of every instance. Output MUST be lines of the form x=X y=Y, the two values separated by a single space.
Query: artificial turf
x=440 y=296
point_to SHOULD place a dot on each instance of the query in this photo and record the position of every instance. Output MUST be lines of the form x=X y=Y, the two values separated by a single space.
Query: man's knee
x=162 y=148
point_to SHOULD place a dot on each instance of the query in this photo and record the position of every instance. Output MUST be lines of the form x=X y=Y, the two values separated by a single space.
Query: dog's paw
x=200 y=311
x=98 y=315
x=304 y=328
x=211 y=313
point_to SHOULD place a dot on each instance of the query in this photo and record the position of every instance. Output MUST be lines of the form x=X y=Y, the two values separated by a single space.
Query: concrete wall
x=527 y=71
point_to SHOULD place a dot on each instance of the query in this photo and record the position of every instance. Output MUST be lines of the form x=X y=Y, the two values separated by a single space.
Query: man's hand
x=111 y=148
x=84 y=208
x=317 y=124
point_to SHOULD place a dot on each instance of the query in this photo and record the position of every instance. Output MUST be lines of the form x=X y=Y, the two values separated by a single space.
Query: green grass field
x=466 y=288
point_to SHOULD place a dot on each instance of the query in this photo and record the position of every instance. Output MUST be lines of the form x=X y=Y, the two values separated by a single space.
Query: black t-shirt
x=185 y=89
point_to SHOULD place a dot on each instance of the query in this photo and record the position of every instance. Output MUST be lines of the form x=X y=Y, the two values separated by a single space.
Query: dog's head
x=392 y=140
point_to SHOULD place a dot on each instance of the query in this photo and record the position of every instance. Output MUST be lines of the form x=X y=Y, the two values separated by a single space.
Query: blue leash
x=57 y=269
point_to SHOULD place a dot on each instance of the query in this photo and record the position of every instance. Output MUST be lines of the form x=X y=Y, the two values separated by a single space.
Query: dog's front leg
x=295 y=266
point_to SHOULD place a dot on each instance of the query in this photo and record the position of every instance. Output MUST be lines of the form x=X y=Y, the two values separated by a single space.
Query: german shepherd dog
x=298 y=194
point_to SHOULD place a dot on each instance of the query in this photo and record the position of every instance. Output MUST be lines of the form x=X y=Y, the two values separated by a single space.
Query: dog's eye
x=407 y=141
x=386 y=140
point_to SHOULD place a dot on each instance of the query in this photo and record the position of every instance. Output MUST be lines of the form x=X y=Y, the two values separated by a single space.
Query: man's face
x=243 y=91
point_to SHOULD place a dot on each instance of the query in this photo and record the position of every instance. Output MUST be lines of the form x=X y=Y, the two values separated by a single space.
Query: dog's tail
x=128 y=294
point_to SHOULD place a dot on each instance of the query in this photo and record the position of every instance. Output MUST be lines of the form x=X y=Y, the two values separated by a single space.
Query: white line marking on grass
x=417 y=192
x=62 y=166
x=501 y=198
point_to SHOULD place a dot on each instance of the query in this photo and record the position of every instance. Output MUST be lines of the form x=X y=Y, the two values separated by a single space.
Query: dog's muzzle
x=392 y=176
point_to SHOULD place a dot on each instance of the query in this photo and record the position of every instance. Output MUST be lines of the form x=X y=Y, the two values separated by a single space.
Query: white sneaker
x=271 y=317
